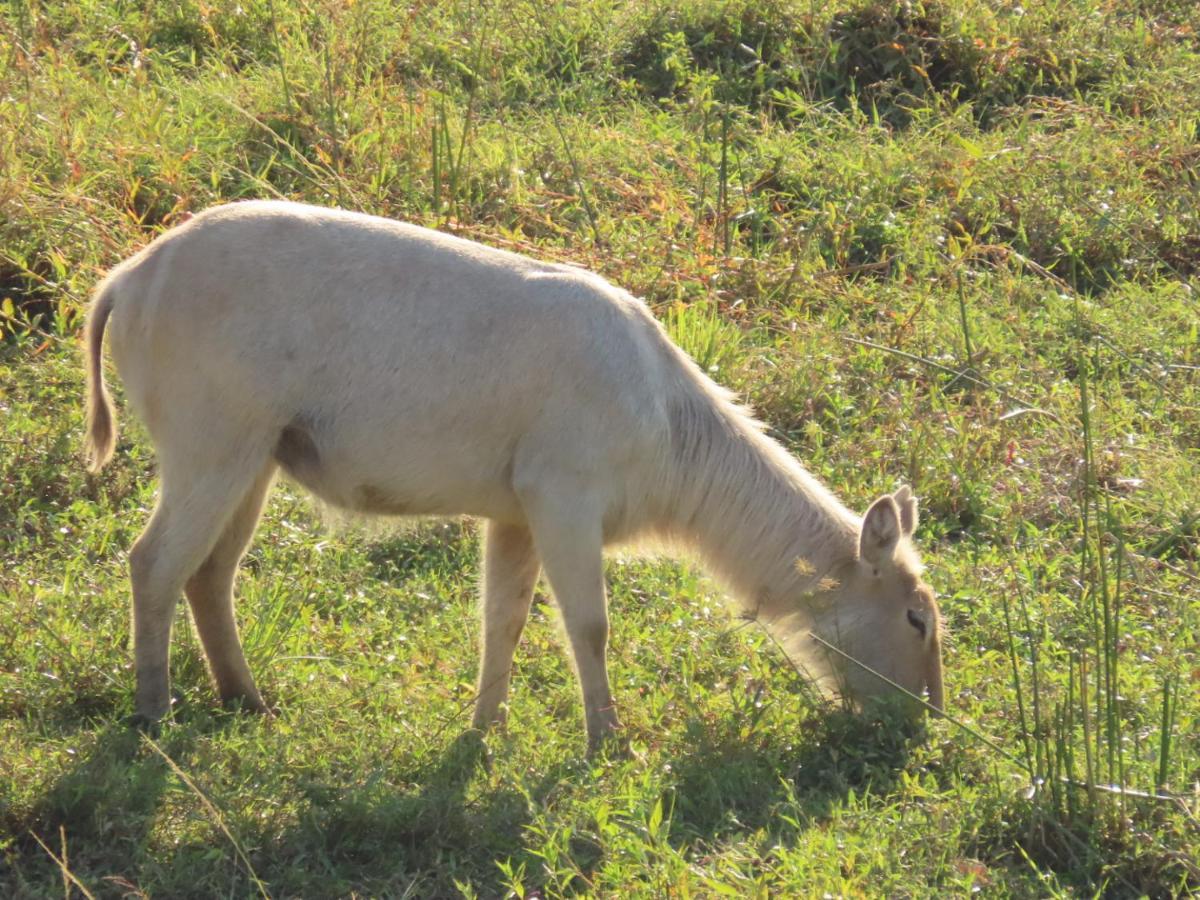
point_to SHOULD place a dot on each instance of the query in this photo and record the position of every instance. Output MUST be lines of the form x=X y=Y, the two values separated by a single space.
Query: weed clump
x=751 y=48
x=894 y=57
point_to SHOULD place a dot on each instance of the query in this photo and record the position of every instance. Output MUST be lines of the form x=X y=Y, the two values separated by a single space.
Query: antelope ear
x=880 y=532
x=907 y=505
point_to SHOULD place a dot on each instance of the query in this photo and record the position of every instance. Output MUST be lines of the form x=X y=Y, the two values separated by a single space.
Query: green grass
x=950 y=245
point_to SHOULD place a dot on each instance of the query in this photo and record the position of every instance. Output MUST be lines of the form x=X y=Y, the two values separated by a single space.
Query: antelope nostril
x=916 y=621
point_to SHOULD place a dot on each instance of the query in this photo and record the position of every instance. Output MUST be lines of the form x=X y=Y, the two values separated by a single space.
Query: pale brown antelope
x=395 y=370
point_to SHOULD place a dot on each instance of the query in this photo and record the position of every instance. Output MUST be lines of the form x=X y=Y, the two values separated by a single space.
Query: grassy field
x=953 y=245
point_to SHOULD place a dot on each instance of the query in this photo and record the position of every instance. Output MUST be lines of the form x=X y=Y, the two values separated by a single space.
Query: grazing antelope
x=395 y=370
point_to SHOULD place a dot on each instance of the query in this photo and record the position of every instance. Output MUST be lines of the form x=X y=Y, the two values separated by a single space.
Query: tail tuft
x=101 y=435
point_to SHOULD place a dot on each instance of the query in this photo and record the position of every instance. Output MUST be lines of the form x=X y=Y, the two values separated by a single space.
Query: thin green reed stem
x=23 y=47
x=435 y=142
x=1088 y=579
x=1041 y=749
x=1107 y=707
x=1107 y=645
x=463 y=145
x=451 y=169
x=332 y=109
x=698 y=209
x=287 y=92
x=411 y=121
x=1057 y=778
x=723 y=195
x=1116 y=742
x=962 y=312
x=1068 y=733
x=472 y=93
x=1016 y=674
x=1164 y=734
x=1087 y=732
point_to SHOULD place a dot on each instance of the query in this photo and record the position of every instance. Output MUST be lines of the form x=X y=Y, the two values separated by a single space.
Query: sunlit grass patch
x=947 y=245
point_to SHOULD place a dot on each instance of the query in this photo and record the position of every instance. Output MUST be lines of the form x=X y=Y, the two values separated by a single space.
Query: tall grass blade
x=1166 y=727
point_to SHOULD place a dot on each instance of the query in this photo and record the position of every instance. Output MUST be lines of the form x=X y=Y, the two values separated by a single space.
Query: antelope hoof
x=606 y=737
x=151 y=726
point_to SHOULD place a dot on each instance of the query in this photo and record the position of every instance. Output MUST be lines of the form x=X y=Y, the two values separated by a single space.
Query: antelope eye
x=916 y=621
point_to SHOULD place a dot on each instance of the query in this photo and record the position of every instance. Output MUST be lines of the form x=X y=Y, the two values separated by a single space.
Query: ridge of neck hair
x=766 y=526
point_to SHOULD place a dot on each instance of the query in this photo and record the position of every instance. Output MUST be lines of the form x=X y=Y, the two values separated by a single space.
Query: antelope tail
x=101 y=435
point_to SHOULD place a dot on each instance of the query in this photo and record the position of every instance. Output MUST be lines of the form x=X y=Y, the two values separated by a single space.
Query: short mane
x=770 y=531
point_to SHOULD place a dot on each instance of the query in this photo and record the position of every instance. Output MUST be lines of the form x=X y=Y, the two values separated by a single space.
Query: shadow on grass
x=373 y=837
x=132 y=827
x=1129 y=849
x=421 y=549
x=105 y=805
x=732 y=782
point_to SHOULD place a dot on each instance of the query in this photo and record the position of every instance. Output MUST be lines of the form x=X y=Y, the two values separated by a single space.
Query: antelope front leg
x=569 y=540
x=510 y=570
